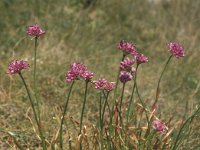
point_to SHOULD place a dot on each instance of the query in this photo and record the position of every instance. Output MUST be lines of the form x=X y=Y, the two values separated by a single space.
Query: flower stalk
x=131 y=99
x=140 y=99
x=158 y=85
x=63 y=116
x=34 y=77
x=34 y=111
x=83 y=108
x=104 y=108
x=100 y=108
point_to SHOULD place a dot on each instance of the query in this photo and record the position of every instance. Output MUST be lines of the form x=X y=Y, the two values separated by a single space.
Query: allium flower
x=127 y=47
x=176 y=49
x=100 y=84
x=109 y=86
x=103 y=84
x=35 y=30
x=78 y=70
x=87 y=75
x=159 y=126
x=141 y=58
x=126 y=64
x=16 y=66
x=125 y=76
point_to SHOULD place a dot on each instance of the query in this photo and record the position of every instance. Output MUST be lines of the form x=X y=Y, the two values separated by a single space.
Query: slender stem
x=140 y=99
x=182 y=127
x=107 y=102
x=63 y=116
x=100 y=120
x=100 y=123
x=35 y=114
x=104 y=107
x=122 y=96
x=158 y=85
x=130 y=102
x=131 y=99
x=114 y=99
x=34 y=77
x=83 y=108
x=120 y=106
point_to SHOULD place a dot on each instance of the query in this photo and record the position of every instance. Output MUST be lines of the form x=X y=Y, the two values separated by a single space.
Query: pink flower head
x=78 y=70
x=125 y=76
x=109 y=86
x=35 y=30
x=127 y=47
x=176 y=49
x=103 y=84
x=159 y=126
x=126 y=64
x=16 y=66
x=87 y=75
x=141 y=58
x=100 y=84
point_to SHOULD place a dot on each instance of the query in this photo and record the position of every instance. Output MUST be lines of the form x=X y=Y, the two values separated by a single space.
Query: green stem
x=35 y=114
x=122 y=96
x=115 y=94
x=131 y=99
x=158 y=85
x=120 y=109
x=104 y=108
x=182 y=127
x=100 y=122
x=107 y=102
x=130 y=103
x=140 y=99
x=34 y=77
x=83 y=108
x=63 y=116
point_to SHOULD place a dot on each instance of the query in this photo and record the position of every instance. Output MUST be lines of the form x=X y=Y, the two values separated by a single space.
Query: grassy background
x=89 y=34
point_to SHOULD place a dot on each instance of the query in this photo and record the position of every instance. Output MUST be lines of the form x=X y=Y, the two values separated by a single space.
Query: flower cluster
x=176 y=49
x=127 y=65
x=141 y=58
x=127 y=47
x=159 y=126
x=125 y=76
x=77 y=71
x=103 y=84
x=35 y=30
x=127 y=71
x=16 y=66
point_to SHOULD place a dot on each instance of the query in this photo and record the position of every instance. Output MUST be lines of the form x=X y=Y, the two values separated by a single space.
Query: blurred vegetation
x=88 y=31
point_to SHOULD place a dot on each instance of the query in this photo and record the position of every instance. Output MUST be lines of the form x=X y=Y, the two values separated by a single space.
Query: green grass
x=90 y=35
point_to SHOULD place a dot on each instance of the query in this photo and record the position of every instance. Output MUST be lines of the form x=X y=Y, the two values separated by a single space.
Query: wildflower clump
x=121 y=121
